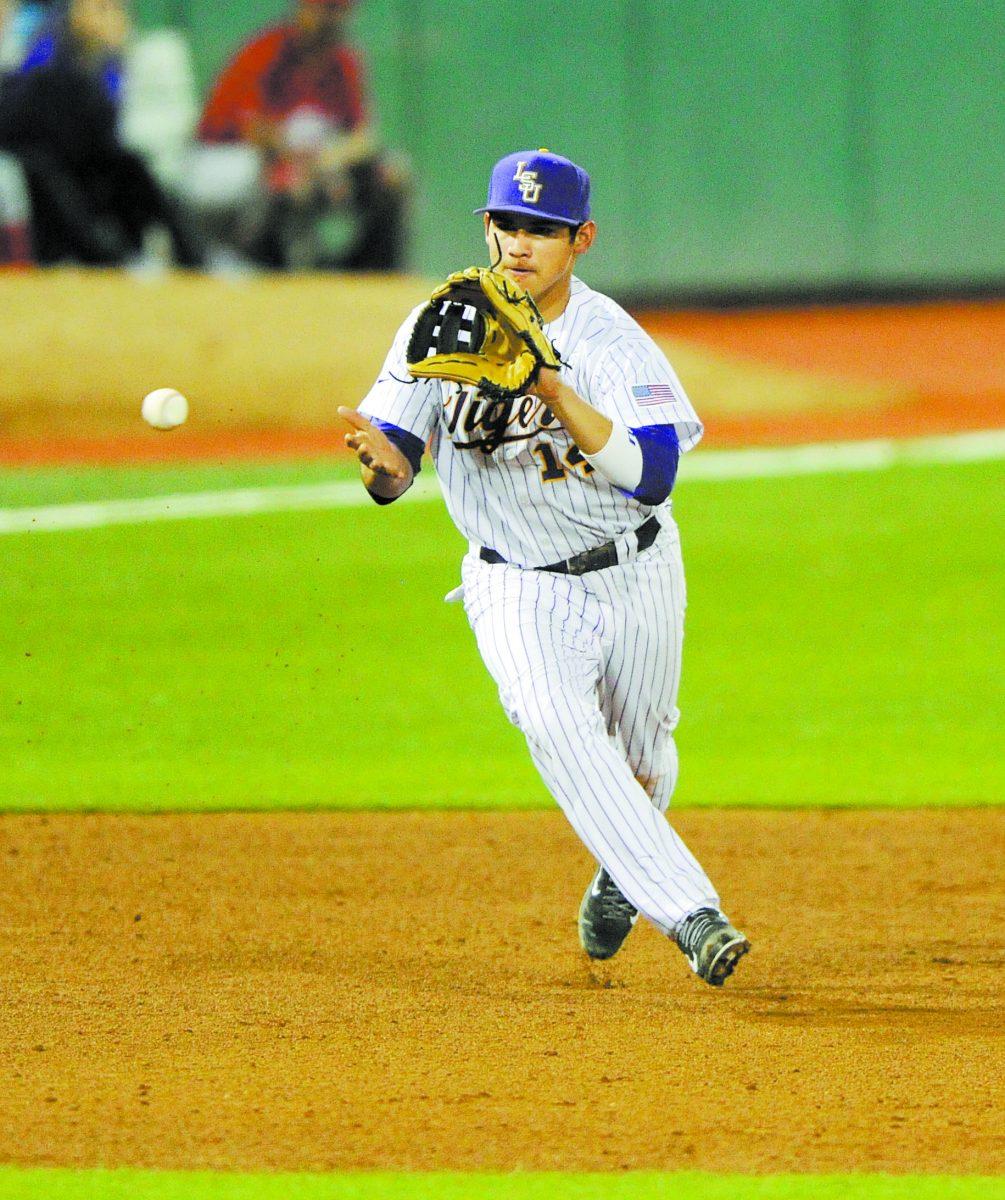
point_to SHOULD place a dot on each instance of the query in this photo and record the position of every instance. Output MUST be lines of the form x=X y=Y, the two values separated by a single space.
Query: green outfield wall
x=734 y=144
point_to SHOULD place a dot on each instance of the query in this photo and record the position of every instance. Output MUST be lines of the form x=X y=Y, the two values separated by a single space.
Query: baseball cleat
x=605 y=917
x=712 y=946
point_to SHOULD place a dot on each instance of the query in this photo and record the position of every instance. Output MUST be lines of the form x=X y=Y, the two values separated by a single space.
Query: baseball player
x=573 y=582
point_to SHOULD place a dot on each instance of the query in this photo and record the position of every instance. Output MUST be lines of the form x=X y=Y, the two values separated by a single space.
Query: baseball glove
x=482 y=329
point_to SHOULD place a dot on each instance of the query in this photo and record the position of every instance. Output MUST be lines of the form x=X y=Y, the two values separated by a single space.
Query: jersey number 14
x=552 y=470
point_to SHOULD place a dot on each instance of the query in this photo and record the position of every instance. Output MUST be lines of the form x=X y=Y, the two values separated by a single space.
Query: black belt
x=590 y=560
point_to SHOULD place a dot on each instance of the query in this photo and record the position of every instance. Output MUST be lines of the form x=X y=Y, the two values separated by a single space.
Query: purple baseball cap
x=539 y=184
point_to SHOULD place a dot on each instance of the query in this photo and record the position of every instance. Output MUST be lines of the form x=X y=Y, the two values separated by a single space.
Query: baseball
x=164 y=408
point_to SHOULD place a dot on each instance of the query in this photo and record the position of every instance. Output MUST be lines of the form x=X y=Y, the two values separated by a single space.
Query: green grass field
x=149 y=1185
x=844 y=646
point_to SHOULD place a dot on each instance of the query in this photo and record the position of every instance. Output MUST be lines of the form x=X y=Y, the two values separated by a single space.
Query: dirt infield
x=848 y=372
x=405 y=991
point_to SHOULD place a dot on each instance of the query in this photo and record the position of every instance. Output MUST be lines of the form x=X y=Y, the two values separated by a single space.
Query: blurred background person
x=6 y=25
x=15 y=244
x=19 y=30
x=93 y=199
x=288 y=143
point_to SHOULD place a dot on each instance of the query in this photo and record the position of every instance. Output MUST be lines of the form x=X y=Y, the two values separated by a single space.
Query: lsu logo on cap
x=530 y=189
x=539 y=183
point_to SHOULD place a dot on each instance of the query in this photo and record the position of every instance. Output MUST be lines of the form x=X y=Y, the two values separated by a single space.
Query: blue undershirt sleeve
x=660 y=455
x=409 y=445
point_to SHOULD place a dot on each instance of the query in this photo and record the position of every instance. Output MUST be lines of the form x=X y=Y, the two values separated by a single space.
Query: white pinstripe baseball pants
x=588 y=668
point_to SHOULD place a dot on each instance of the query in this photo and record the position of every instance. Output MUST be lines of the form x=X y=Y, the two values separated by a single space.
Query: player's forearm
x=589 y=429
x=641 y=462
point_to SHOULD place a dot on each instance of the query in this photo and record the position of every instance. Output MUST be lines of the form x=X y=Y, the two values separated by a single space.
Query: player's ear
x=488 y=221
x=584 y=237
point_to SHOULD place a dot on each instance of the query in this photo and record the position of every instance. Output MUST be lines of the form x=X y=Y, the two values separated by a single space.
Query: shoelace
x=697 y=928
x=613 y=905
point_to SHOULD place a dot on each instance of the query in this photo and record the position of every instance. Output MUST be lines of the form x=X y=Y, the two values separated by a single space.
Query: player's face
x=538 y=254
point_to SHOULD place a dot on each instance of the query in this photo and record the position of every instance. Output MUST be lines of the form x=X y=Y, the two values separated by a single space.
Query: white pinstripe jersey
x=512 y=477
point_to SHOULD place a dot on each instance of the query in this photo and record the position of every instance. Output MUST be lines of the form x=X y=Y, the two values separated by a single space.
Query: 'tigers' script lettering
x=477 y=424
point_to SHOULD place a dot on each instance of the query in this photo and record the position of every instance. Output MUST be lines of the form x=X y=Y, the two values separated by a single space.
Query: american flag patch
x=654 y=393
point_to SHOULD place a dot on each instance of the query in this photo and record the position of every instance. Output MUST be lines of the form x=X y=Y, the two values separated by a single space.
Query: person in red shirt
x=295 y=93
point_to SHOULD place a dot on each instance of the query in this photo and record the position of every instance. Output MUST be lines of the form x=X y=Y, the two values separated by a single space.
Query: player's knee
x=656 y=773
x=651 y=770
x=542 y=714
x=648 y=782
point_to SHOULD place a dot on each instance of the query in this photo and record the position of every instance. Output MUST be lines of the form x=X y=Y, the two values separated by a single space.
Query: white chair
x=160 y=103
x=15 y=212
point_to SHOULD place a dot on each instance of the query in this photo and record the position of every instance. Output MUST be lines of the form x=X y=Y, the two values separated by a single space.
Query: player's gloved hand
x=482 y=329
x=372 y=447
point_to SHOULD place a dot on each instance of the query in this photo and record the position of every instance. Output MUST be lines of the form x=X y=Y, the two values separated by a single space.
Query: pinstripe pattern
x=516 y=511
x=555 y=644
x=587 y=666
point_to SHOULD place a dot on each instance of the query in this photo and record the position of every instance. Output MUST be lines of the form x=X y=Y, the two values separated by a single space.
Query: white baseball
x=165 y=408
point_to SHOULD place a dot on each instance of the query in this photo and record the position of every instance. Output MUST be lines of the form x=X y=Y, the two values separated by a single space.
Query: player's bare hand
x=372 y=447
x=547 y=384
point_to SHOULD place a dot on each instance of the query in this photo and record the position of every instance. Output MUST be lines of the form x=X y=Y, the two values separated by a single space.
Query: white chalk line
x=707 y=466
x=825 y=457
x=184 y=505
